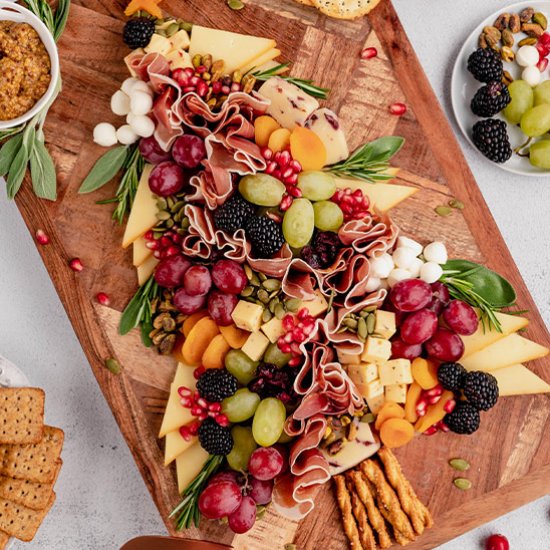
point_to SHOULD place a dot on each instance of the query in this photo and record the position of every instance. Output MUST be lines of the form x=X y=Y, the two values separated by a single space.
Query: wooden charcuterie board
x=511 y=452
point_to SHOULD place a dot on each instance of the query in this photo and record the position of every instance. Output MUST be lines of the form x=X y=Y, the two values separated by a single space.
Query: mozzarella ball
x=126 y=135
x=142 y=125
x=120 y=103
x=381 y=266
x=105 y=134
x=414 y=268
x=531 y=75
x=403 y=257
x=141 y=103
x=436 y=252
x=397 y=275
x=141 y=86
x=527 y=56
x=128 y=84
x=373 y=283
x=431 y=272
x=405 y=242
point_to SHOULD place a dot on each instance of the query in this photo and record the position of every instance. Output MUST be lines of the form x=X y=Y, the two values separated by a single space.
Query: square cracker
x=4 y=539
x=21 y=522
x=21 y=415
x=37 y=462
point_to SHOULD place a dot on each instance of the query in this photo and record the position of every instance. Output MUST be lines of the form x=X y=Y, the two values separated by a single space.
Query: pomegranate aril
x=497 y=542
x=438 y=390
x=103 y=299
x=295 y=165
x=222 y=420
x=41 y=237
x=226 y=90
x=216 y=87
x=449 y=406
x=295 y=192
x=76 y=265
x=431 y=430
x=184 y=392
x=442 y=427
x=284 y=159
x=271 y=167
x=542 y=65
x=398 y=109
x=434 y=399
x=368 y=53
x=267 y=153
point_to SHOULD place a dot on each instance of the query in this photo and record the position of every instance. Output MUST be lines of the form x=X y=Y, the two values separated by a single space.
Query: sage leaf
x=8 y=152
x=105 y=169
x=18 y=169
x=44 y=179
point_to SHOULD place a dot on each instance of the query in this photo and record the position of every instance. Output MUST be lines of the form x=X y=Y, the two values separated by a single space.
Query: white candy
x=398 y=275
x=105 y=134
x=405 y=242
x=373 y=283
x=120 y=103
x=128 y=84
x=431 y=272
x=527 y=56
x=414 y=268
x=436 y=252
x=141 y=103
x=126 y=135
x=531 y=75
x=142 y=125
x=141 y=86
x=403 y=257
x=381 y=266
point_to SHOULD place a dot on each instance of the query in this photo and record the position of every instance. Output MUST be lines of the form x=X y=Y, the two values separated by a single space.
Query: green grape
x=299 y=223
x=522 y=100
x=542 y=93
x=274 y=356
x=241 y=405
x=241 y=366
x=243 y=446
x=536 y=121
x=539 y=154
x=285 y=438
x=269 y=421
x=262 y=189
x=328 y=216
x=316 y=185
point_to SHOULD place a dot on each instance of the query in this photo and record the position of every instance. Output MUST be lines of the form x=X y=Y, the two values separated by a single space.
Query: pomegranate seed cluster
x=297 y=329
x=282 y=166
x=431 y=397
x=353 y=204
x=164 y=247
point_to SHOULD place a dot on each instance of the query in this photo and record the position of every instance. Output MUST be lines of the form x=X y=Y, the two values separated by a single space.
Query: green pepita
x=443 y=211
x=459 y=464
x=362 y=330
x=254 y=280
x=266 y=316
x=263 y=296
x=455 y=203
x=293 y=304
x=172 y=29
x=371 y=323
x=113 y=365
x=280 y=311
x=262 y=276
x=163 y=215
x=350 y=323
x=462 y=483
x=271 y=284
x=369 y=418
x=235 y=4
x=273 y=304
x=247 y=291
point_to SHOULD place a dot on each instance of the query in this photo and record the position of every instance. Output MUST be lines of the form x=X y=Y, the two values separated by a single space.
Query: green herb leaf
x=8 y=152
x=55 y=22
x=307 y=85
x=127 y=189
x=44 y=179
x=105 y=169
x=18 y=167
x=11 y=132
x=139 y=309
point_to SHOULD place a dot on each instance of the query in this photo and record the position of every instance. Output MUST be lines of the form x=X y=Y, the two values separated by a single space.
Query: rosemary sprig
x=187 y=511
x=305 y=84
x=55 y=21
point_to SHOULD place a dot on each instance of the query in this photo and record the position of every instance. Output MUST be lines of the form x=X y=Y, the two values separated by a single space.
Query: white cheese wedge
x=384 y=324
x=175 y=445
x=270 y=65
x=396 y=371
x=519 y=380
x=376 y=350
x=326 y=125
x=189 y=464
x=317 y=306
x=396 y=393
x=255 y=64
x=290 y=105
x=140 y=251
x=383 y=196
x=143 y=215
x=510 y=350
x=145 y=270
x=158 y=44
x=179 y=41
x=485 y=336
x=237 y=50
x=175 y=415
x=255 y=346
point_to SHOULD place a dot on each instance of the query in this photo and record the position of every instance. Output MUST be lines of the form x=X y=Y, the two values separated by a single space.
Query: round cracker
x=345 y=9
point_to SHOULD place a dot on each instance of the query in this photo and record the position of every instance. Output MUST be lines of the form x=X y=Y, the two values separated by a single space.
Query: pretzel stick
x=365 y=532
x=344 y=502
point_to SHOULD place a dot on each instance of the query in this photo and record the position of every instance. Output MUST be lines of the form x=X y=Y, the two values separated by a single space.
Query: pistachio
x=113 y=365
x=207 y=61
x=540 y=19
x=157 y=336
x=462 y=483
x=507 y=54
x=197 y=60
x=217 y=69
x=328 y=431
x=290 y=546
x=459 y=464
x=526 y=14
x=502 y=21
x=166 y=347
x=368 y=418
x=248 y=83
x=515 y=23
x=260 y=511
x=345 y=420
x=455 y=203
x=483 y=41
x=532 y=29
x=508 y=38
x=492 y=32
x=352 y=431
x=529 y=41
x=237 y=77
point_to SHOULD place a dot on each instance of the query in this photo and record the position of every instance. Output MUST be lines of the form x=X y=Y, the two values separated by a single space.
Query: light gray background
x=102 y=500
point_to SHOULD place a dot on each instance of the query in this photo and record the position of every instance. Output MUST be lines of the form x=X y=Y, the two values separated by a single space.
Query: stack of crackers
x=342 y=9
x=378 y=502
x=29 y=463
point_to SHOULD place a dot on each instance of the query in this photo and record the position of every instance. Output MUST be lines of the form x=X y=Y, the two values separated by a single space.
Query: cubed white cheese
x=376 y=403
x=248 y=316
x=363 y=373
x=384 y=324
x=179 y=40
x=179 y=59
x=348 y=358
x=373 y=388
x=317 y=306
x=376 y=350
x=326 y=125
x=396 y=393
x=273 y=329
x=255 y=346
x=396 y=371
x=158 y=44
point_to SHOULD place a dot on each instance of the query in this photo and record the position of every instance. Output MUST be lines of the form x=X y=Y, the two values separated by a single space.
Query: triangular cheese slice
x=261 y=60
x=140 y=252
x=510 y=350
x=189 y=464
x=382 y=196
x=271 y=65
x=145 y=270
x=237 y=50
x=485 y=336
x=519 y=380
x=176 y=415
x=143 y=215
x=174 y=445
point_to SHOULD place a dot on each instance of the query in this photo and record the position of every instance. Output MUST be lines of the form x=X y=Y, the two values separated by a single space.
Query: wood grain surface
x=511 y=452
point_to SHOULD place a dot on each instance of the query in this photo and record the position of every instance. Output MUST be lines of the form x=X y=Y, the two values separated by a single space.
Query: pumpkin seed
x=362 y=329
x=248 y=271
x=178 y=206
x=247 y=291
x=280 y=311
x=271 y=284
x=369 y=417
x=455 y=203
x=260 y=512
x=290 y=546
x=293 y=304
x=162 y=204
x=235 y=4
x=113 y=365
x=266 y=316
x=273 y=304
x=371 y=322
x=462 y=483
x=263 y=296
x=370 y=309
x=443 y=211
x=163 y=215
x=459 y=464
x=350 y=323
x=254 y=280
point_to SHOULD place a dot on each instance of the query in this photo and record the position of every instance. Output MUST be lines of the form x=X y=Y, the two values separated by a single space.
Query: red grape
x=221 y=306
x=497 y=542
x=170 y=271
x=419 y=327
x=265 y=463
x=166 y=179
x=197 y=280
x=411 y=295
x=244 y=517
x=229 y=276
x=220 y=499
x=260 y=490
x=461 y=317
x=186 y=303
x=223 y=476
x=188 y=151
x=402 y=350
x=440 y=298
x=152 y=152
x=445 y=345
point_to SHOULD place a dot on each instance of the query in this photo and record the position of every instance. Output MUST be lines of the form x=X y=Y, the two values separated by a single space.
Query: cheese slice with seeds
x=189 y=464
x=519 y=380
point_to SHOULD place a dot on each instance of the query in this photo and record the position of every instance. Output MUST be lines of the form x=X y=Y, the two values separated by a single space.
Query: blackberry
x=491 y=138
x=451 y=376
x=216 y=384
x=323 y=250
x=485 y=65
x=464 y=419
x=490 y=99
x=138 y=32
x=265 y=236
x=233 y=214
x=481 y=390
x=215 y=439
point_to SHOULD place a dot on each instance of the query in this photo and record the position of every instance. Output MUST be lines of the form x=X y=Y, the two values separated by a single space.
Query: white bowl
x=13 y=12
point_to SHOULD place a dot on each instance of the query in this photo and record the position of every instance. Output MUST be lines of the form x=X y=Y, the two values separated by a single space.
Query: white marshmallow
x=126 y=135
x=531 y=75
x=120 y=103
x=527 y=56
x=140 y=103
x=431 y=272
x=398 y=275
x=415 y=267
x=373 y=283
x=405 y=242
x=105 y=134
x=142 y=125
x=436 y=252
x=128 y=84
x=381 y=266
x=404 y=257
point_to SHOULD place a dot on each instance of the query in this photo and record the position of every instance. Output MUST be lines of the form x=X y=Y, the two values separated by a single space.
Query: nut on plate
x=501 y=22
x=507 y=78
x=529 y=41
x=508 y=38
x=507 y=54
x=492 y=37
x=483 y=41
x=526 y=15
x=540 y=19
x=532 y=29
x=514 y=24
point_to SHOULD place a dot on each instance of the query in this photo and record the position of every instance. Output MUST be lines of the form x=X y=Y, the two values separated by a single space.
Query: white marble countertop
x=102 y=500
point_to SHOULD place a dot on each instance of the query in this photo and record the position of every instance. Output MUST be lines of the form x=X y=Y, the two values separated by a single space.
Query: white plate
x=464 y=86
